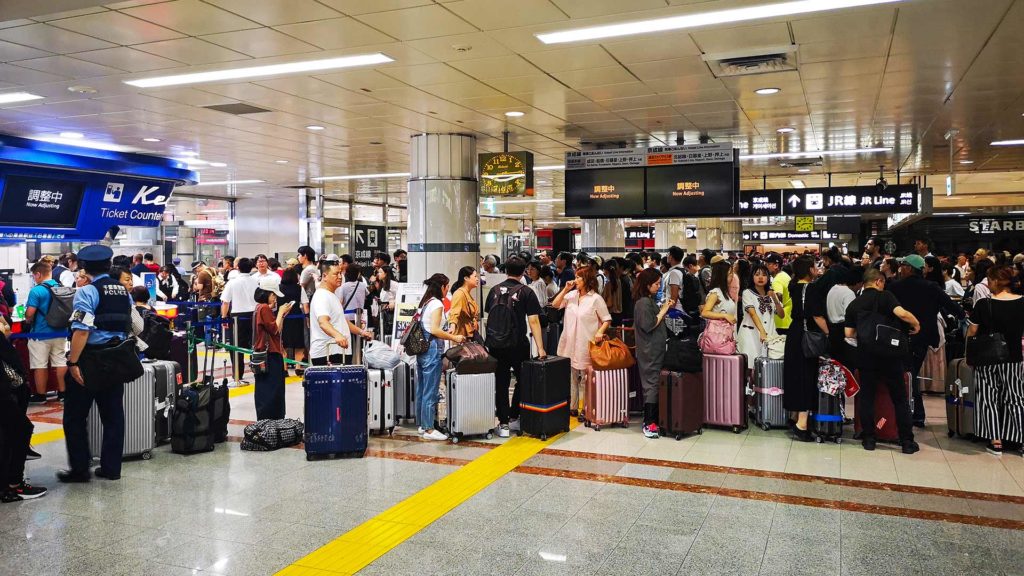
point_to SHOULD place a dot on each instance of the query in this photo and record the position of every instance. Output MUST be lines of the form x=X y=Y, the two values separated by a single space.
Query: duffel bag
x=683 y=355
x=267 y=435
x=471 y=358
x=380 y=356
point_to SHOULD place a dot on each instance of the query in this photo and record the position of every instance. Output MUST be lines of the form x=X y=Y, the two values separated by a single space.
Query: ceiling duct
x=237 y=108
x=747 y=63
x=801 y=162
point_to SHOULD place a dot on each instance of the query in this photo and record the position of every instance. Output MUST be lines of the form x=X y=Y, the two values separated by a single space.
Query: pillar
x=444 y=226
x=691 y=241
x=732 y=235
x=604 y=237
x=709 y=234
x=669 y=234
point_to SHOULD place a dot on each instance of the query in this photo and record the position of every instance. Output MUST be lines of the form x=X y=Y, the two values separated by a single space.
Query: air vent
x=237 y=108
x=765 y=61
x=801 y=162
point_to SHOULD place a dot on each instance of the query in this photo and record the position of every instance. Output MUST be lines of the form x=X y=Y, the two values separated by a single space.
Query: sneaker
x=435 y=435
x=514 y=426
x=420 y=431
x=27 y=491
x=37 y=399
x=60 y=396
x=651 y=431
x=994 y=450
x=9 y=496
x=503 y=431
x=31 y=454
x=869 y=444
x=910 y=447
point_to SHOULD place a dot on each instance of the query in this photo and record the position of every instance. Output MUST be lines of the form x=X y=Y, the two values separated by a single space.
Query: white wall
x=265 y=226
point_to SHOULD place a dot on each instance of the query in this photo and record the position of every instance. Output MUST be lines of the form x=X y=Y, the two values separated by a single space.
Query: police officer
x=102 y=316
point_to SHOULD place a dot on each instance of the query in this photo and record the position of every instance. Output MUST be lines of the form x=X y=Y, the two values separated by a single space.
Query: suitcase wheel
x=839 y=439
x=700 y=430
x=454 y=439
x=544 y=437
x=766 y=426
x=597 y=428
x=819 y=439
x=679 y=437
x=951 y=433
x=309 y=457
x=488 y=436
x=735 y=429
x=147 y=455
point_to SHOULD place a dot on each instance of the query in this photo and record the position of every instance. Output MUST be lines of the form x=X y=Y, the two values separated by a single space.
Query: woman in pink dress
x=586 y=319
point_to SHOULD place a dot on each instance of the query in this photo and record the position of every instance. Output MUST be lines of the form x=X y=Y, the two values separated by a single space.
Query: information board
x=705 y=189
x=788 y=236
x=40 y=202
x=836 y=201
x=611 y=193
x=369 y=241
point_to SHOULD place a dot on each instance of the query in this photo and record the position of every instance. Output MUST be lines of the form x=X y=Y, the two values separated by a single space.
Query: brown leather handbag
x=610 y=355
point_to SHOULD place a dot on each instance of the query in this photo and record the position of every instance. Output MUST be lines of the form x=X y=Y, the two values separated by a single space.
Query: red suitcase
x=21 y=345
x=680 y=404
x=725 y=401
x=885 y=412
x=606 y=398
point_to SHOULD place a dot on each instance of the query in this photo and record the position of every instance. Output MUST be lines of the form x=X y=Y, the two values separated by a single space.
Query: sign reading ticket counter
x=53 y=191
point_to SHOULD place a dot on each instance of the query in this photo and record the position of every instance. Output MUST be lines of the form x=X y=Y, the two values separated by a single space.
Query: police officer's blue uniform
x=103 y=308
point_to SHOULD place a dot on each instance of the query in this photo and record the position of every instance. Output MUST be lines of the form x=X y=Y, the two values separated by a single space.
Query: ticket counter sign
x=506 y=174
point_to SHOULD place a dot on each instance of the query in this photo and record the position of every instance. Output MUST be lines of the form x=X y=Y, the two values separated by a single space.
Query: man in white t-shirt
x=330 y=333
x=262 y=268
x=238 y=301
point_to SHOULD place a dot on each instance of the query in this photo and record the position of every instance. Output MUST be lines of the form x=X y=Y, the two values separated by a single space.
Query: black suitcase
x=828 y=419
x=191 y=421
x=544 y=397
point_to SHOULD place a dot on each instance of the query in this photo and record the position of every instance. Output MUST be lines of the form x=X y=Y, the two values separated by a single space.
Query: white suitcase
x=380 y=403
x=142 y=408
x=470 y=404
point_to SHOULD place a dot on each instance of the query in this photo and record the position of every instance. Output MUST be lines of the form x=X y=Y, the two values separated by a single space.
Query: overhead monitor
x=843 y=224
x=691 y=190
x=30 y=201
x=604 y=193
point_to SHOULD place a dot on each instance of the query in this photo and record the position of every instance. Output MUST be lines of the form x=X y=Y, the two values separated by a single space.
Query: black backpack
x=501 y=320
x=881 y=336
x=156 y=333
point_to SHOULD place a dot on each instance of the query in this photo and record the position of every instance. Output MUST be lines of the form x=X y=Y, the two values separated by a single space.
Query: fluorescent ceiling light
x=193 y=161
x=228 y=182
x=544 y=168
x=786 y=130
x=1008 y=143
x=797 y=184
x=280 y=161
x=362 y=176
x=804 y=170
x=72 y=135
x=767 y=91
x=813 y=154
x=955 y=213
x=150 y=139
x=701 y=19
x=967 y=161
x=314 y=127
x=514 y=114
x=218 y=164
x=12 y=97
x=268 y=70
x=190 y=153
x=525 y=201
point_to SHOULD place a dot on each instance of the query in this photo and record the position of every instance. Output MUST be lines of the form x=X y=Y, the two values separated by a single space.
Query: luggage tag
x=881 y=423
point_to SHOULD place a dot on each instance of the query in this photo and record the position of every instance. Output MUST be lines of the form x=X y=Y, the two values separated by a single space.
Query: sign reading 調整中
x=506 y=174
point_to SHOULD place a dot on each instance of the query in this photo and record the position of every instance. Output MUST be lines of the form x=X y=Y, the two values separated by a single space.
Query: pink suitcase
x=606 y=398
x=724 y=391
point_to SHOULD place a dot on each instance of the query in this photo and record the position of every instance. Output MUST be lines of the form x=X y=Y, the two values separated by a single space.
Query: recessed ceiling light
x=967 y=161
x=218 y=164
x=362 y=176
x=72 y=135
x=797 y=184
x=12 y=97
x=1008 y=143
x=189 y=153
x=702 y=19
x=280 y=161
x=81 y=89
x=269 y=70
x=227 y=182
x=767 y=91
x=786 y=130
x=314 y=127
x=150 y=139
x=514 y=114
x=811 y=154
x=804 y=170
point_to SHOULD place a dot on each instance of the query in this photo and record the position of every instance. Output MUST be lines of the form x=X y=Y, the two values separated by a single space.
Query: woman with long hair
x=431 y=312
x=933 y=271
x=801 y=374
x=760 y=308
x=293 y=333
x=719 y=305
x=266 y=334
x=586 y=320
x=612 y=292
x=999 y=405
x=386 y=293
x=739 y=279
x=464 y=313
x=651 y=334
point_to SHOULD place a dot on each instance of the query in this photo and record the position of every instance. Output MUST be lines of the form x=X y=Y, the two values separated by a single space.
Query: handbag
x=683 y=355
x=258 y=358
x=117 y=363
x=413 y=340
x=471 y=358
x=718 y=337
x=989 y=348
x=814 y=344
x=776 y=347
x=610 y=355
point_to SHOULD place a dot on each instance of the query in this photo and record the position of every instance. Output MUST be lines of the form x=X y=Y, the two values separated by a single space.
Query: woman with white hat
x=266 y=330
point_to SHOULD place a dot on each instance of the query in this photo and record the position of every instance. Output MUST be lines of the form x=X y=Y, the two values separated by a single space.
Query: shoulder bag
x=879 y=338
x=117 y=363
x=471 y=358
x=718 y=337
x=814 y=344
x=611 y=355
x=988 y=348
x=414 y=339
x=258 y=359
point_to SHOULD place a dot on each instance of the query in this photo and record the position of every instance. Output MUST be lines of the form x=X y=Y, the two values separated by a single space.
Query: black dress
x=801 y=373
x=293 y=334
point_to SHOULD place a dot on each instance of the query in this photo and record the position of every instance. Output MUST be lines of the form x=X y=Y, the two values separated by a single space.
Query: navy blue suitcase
x=336 y=412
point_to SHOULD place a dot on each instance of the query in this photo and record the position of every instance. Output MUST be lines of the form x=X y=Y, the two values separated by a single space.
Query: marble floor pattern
x=608 y=502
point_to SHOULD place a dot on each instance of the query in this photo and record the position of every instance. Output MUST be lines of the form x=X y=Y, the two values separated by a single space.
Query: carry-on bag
x=470 y=404
x=380 y=390
x=960 y=397
x=933 y=370
x=885 y=412
x=335 y=411
x=828 y=418
x=680 y=404
x=682 y=354
x=167 y=377
x=724 y=391
x=269 y=435
x=544 y=398
x=187 y=359
x=606 y=398
x=404 y=385
x=769 y=390
x=145 y=411
x=191 y=420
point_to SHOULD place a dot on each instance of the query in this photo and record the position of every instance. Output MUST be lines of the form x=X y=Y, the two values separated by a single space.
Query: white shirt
x=308 y=280
x=836 y=301
x=427 y=314
x=954 y=289
x=233 y=274
x=321 y=345
x=67 y=279
x=256 y=274
x=357 y=291
x=675 y=278
x=240 y=293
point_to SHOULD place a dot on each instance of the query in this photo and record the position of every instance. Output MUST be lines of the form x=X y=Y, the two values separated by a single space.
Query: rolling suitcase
x=381 y=401
x=885 y=413
x=828 y=419
x=769 y=383
x=933 y=370
x=544 y=398
x=184 y=356
x=606 y=398
x=960 y=399
x=680 y=404
x=724 y=392
x=470 y=404
x=404 y=385
x=167 y=377
x=191 y=420
x=335 y=411
x=144 y=404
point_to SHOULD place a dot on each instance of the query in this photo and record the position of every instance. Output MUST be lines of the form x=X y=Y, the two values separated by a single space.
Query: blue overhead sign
x=57 y=192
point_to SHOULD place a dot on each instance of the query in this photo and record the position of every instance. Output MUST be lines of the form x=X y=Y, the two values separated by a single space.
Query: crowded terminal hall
x=541 y=287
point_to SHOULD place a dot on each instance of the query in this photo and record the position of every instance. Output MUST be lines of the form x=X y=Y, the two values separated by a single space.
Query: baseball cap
x=332 y=258
x=773 y=258
x=914 y=261
x=271 y=283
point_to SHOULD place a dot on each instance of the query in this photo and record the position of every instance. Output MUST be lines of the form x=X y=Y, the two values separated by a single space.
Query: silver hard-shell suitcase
x=380 y=393
x=404 y=385
x=768 y=391
x=470 y=404
x=147 y=402
x=960 y=398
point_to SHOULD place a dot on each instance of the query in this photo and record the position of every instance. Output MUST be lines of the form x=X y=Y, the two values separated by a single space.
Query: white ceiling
x=896 y=75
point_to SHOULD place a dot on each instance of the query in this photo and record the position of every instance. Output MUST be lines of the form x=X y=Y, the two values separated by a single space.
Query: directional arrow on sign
x=359 y=237
x=794 y=200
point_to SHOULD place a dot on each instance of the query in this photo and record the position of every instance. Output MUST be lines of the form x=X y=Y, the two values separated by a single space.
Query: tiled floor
x=608 y=502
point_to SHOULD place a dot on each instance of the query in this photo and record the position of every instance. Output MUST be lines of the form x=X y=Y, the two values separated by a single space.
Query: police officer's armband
x=83 y=317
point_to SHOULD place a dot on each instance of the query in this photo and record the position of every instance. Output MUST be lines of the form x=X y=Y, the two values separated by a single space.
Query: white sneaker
x=435 y=435
x=420 y=430
x=503 y=431
x=514 y=426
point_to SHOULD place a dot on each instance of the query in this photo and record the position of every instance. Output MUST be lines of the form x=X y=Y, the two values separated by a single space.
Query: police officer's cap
x=95 y=253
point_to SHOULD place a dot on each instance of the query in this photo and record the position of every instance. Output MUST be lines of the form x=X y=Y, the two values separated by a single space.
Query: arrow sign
x=794 y=200
x=359 y=237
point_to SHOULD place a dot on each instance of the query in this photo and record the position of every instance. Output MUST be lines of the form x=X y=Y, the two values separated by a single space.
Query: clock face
x=506 y=174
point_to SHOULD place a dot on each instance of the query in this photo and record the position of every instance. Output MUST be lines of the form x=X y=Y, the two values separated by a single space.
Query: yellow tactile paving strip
x=356 y=549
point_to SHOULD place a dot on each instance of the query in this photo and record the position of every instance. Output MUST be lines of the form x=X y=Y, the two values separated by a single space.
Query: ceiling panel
x=420 y=22
x=261 y=43
x=277 y=12
x=335 y=33
x=354 y=7
x=117 y=28
x=49 y=38
x=191 y=51
x=127 y=59
x=10 y=51
x=191 y=16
